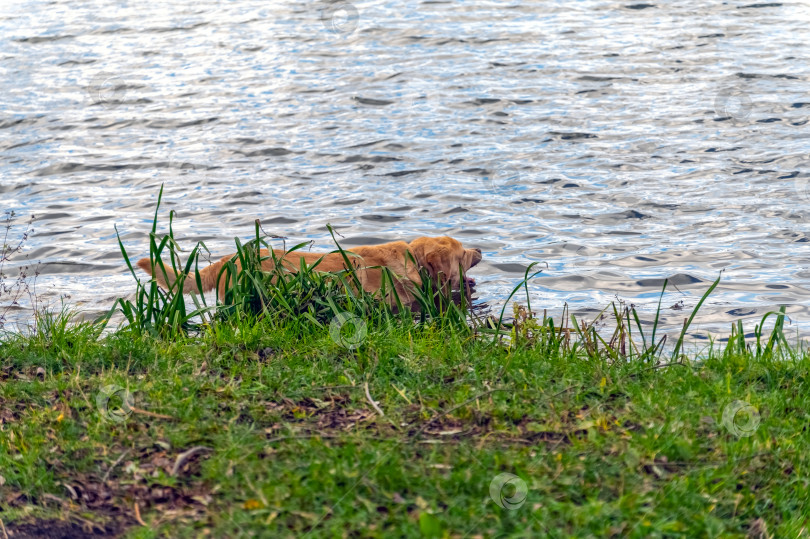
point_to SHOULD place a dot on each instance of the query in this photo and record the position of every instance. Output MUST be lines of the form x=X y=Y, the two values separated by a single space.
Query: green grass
x=295 y=446
x=253 y=420
x=303 y=299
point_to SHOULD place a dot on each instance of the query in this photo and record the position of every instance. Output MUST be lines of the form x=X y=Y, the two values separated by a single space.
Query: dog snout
x=476 y=257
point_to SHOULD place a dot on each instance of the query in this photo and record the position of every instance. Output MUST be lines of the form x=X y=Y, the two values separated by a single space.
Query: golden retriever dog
x=441 y=257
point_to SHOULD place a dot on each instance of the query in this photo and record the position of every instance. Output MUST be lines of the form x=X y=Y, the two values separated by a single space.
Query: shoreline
x=303 y=407
x=280 y=429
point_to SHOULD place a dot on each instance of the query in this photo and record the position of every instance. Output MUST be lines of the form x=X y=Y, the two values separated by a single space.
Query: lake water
x=614 y=143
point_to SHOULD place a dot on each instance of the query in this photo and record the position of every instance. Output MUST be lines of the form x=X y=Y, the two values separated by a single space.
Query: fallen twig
x=183 y=457
x=371 y=401
x=114 y=464
x=48 y=496
x=151 y=414
x=138 y=516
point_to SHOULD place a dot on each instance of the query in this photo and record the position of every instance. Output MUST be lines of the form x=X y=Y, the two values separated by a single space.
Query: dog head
x=442 y=257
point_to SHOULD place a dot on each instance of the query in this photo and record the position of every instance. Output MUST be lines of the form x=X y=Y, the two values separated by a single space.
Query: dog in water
x=443 y=258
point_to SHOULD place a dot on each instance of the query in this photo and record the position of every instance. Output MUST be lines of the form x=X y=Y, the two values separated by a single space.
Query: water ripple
x=614 y=144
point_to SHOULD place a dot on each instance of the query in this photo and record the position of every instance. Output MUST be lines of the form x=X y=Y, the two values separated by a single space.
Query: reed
x=306 y=298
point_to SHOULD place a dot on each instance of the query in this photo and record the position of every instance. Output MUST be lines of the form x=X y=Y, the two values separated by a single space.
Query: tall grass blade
x=692 y=317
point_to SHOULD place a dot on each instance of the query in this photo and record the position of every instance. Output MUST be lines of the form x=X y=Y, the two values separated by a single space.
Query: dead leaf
x=252 y=504
x=758 y=530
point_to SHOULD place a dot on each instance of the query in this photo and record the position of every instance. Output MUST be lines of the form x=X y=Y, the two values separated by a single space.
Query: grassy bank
x=309 y=409
x=267 y=432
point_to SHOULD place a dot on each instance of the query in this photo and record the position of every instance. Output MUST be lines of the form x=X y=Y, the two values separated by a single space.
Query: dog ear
x=442 y=266
x=471 y=258
x=440 y=257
